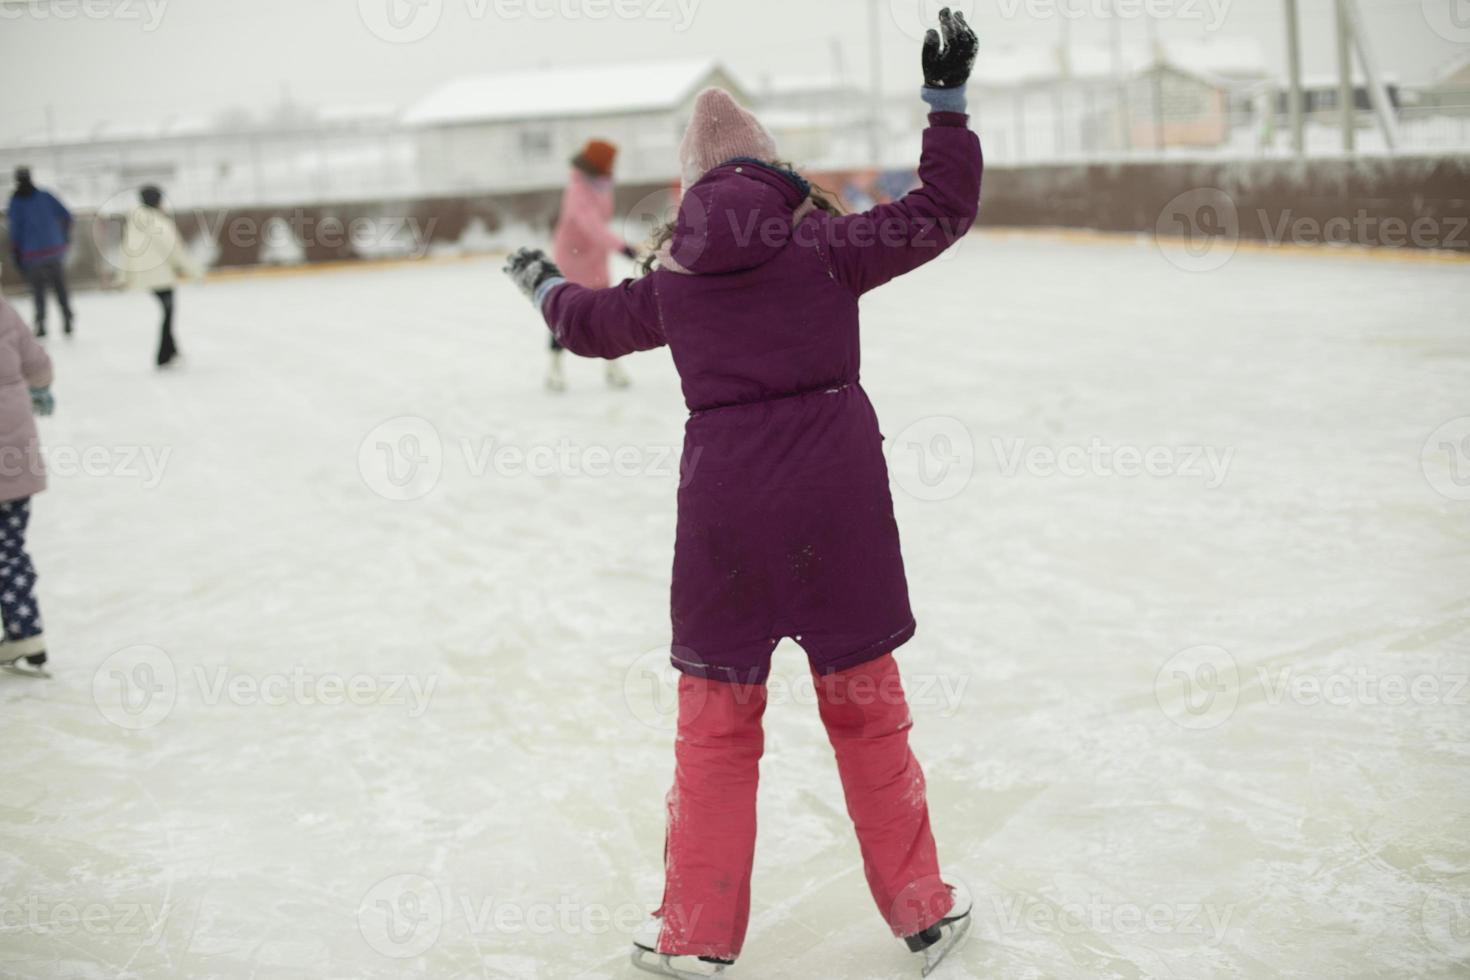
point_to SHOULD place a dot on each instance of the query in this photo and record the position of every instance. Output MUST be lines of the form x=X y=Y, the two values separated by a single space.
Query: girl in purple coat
x=785 y=527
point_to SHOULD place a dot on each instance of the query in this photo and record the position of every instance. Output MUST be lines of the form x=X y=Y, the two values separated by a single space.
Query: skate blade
x=651 y=962
x=15 y=668
x=935 y=955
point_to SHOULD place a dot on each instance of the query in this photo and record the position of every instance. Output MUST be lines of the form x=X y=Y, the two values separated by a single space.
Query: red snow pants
x=710 y=846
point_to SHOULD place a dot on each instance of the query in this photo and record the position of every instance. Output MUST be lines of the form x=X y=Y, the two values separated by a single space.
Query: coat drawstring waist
x=807 y=393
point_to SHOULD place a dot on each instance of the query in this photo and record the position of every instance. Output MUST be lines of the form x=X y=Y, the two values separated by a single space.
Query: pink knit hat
x=720 y=130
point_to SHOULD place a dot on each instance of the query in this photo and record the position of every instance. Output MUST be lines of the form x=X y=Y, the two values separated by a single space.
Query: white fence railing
x=244 y=169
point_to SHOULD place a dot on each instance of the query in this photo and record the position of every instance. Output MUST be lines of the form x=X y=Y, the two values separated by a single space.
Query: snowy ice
x=359 y=637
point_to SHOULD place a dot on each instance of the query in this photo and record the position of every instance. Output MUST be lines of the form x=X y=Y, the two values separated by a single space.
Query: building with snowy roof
x=295 y=154
x=1040 y=101
x=1436 y=113
x=817 y=119
x=1448 y=87
x=519 y=129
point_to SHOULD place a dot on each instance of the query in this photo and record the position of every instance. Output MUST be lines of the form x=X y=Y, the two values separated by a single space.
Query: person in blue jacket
x=40 y=233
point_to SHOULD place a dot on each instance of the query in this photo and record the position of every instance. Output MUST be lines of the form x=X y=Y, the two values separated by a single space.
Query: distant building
x=816 y=120
x=518 y=129
x=333 y=153
x=1319 y=94
x=1084 y=99
x=89 y=167
x=1173 y=106
x=1449 y=89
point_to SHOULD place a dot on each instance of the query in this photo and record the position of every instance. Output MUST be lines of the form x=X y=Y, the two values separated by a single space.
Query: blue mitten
x=42 y=401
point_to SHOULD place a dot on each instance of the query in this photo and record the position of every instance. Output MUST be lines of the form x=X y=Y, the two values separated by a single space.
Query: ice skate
x=646 y=957
x=937 y=941
x=556 y=380
x=616 y=376
x=31 y=652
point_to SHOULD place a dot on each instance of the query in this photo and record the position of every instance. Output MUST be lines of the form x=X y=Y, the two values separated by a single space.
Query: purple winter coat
x=785 y=524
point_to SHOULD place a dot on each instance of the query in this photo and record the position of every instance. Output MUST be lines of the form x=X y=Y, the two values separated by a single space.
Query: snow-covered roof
x=1017 y=65
x=1446 y=72
x=776 y=120
x=357 y=113
x=825 y=84
x=113 y=131
x=542 y=93
x=1328 y=80
x=1226 y=59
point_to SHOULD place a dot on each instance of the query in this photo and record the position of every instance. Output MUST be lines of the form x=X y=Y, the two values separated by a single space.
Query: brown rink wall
x=1381 y=202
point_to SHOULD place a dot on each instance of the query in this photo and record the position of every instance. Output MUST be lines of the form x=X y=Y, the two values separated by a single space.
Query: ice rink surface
x=1208 y=720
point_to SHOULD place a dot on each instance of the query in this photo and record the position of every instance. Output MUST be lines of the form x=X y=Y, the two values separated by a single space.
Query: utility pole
x=1156 y=71
x=56 y=163
x=1061 y=86
x=875 y=83
x=1377 y=92
x=1294 y=78
x=1115 y=39
x=1018 y=101
x=1346 y=97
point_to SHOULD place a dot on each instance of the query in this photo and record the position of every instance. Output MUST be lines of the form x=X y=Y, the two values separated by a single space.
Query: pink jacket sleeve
x=35 y=363
x=868 y=249
x=605 y=322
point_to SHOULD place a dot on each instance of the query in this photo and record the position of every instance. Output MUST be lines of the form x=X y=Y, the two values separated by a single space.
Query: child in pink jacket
x=583 y=242
x=25 y=379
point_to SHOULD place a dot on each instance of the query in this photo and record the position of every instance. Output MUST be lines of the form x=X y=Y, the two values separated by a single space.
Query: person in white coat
x=155 y=259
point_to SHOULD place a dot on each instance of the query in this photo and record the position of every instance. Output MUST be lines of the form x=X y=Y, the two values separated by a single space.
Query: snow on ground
x=1210 y=722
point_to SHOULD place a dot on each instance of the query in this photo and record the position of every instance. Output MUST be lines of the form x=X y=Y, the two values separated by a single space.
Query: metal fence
x=320 y=166
x=222 y=168
x=1039 y=131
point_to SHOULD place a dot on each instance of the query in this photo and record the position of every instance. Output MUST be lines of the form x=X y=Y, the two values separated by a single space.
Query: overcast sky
x=138 y=61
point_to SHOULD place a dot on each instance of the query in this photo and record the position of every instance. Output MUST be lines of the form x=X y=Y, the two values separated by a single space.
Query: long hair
x=824 y=199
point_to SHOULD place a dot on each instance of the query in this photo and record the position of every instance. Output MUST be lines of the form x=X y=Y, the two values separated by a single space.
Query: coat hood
x=737 y=217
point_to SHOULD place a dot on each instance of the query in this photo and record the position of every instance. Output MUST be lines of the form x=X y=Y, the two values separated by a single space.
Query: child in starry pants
x=25 y=379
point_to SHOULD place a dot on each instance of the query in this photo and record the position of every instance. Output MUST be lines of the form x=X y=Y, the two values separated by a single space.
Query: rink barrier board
x=1263 y=202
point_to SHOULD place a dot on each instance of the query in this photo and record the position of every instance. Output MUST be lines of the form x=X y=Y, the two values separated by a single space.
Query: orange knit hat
x=598 y=157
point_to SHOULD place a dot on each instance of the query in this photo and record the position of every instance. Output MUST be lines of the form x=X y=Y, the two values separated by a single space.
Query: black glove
x=528 y=268
x=950 y=67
